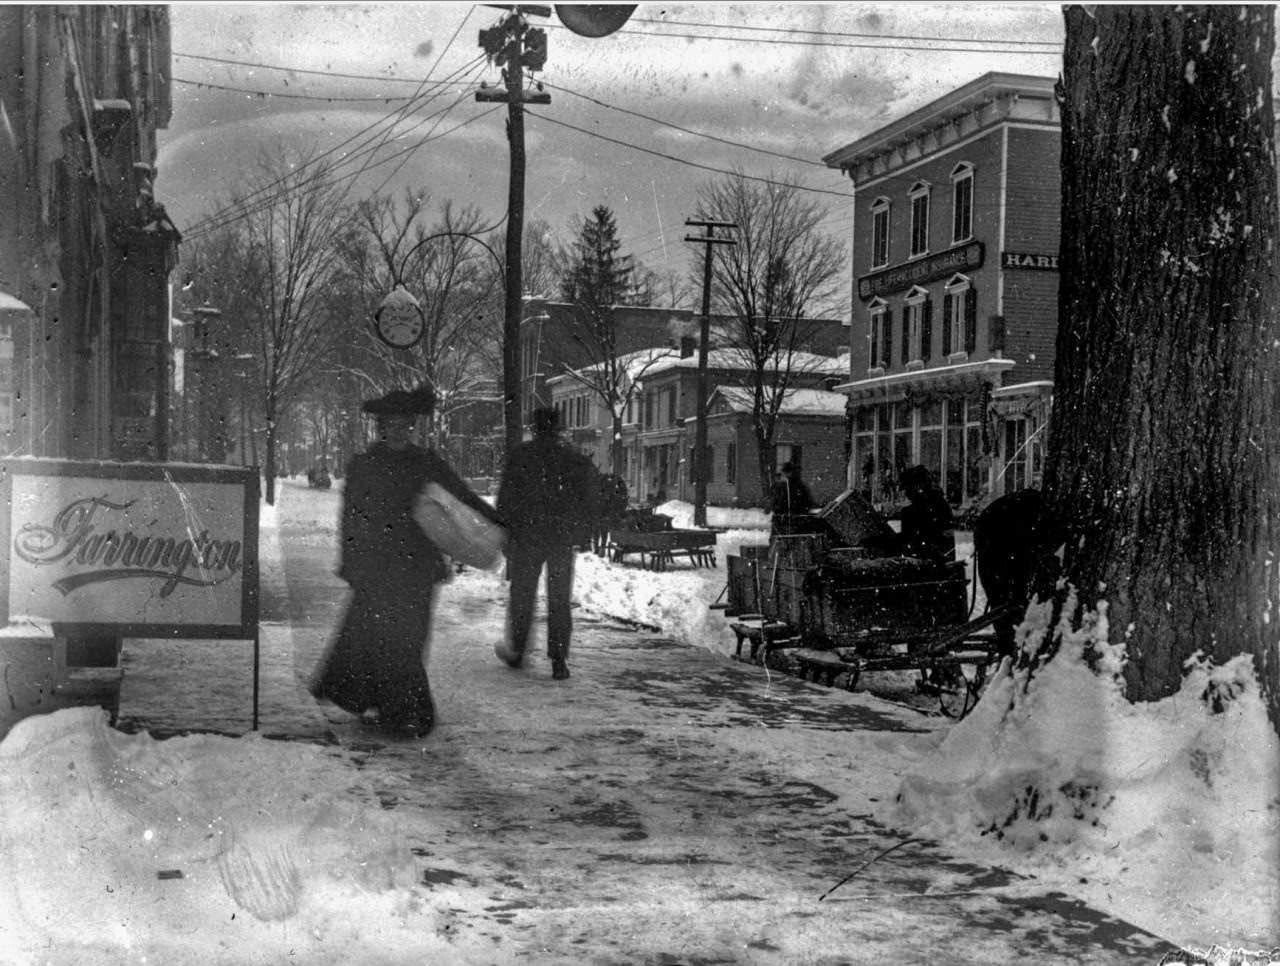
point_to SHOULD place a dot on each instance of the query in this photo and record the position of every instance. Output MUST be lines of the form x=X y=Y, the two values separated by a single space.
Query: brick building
x=955 y=242
x=85 y=251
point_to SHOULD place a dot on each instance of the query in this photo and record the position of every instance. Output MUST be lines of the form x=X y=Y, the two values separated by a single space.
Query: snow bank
x=1172 y=804
x=135 y=842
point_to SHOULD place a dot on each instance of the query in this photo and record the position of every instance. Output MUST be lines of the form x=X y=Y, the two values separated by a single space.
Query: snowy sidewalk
x=664 y=805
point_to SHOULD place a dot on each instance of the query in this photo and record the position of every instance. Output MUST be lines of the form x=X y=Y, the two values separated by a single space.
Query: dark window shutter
x=876 y=324
x=926 y=330
x=971 y=320
x=996 y=335
x=906 y=336
x=946 y=325
x=887 y=348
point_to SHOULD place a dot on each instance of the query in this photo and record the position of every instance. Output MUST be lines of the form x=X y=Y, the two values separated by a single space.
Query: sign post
x=132 y=550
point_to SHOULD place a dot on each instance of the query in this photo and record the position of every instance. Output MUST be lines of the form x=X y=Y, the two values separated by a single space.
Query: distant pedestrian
x=376 y=667
x=928 y=524
x=548 y=500
x=790 y=501
x=612 y=510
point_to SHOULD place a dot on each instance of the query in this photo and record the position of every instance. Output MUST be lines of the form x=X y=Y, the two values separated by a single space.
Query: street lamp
x=205 y=358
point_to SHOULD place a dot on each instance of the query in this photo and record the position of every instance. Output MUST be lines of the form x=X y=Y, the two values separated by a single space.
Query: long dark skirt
x=376 y=660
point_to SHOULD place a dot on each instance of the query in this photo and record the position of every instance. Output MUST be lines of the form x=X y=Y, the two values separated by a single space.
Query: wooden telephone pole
x=700 y=467
x=513 y=43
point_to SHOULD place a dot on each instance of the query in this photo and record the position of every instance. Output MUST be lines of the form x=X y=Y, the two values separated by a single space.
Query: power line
x=840 y=33
x=387 y=134
x=826 y=43
x=303 y=97
x=214 y=223
x=391 y=119
x=685 y=130
x=671 y=157
x=387 y=78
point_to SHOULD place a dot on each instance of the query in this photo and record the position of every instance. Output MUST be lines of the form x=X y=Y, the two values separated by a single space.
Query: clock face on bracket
x=399 y=324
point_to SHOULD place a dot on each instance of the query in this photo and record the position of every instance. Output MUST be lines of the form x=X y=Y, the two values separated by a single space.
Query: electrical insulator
x=492 y=40
x=534 y=56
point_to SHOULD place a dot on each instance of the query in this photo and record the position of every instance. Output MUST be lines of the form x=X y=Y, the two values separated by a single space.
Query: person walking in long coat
x=548 y=500
x=376 y=666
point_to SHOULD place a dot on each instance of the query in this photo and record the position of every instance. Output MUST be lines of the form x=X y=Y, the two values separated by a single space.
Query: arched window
x=879 y=333
x=959 y=318
x=880 y=232
x=919 y=218
x=917 y=327
x=961 y=202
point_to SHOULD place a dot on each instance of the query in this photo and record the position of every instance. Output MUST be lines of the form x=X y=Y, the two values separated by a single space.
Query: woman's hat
x=403 y=402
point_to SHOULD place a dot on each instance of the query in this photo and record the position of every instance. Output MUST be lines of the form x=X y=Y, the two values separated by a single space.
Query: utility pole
x=700 y=467
x=513 y=43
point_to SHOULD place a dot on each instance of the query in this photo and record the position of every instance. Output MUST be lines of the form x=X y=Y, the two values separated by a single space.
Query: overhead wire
x=291 y=95
x=386 y=135
x=390 y=120
x=325 y=177
x=417 y=100
x=683 y=130
x=841 y=33
x=672 y=157
x=897 y=47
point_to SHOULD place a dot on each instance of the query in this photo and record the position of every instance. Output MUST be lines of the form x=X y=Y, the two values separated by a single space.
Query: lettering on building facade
x=962 y=258
x=1035 y=261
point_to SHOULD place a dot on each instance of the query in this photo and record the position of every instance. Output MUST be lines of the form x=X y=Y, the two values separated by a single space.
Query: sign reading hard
x=130 y=549
x=1035 y=261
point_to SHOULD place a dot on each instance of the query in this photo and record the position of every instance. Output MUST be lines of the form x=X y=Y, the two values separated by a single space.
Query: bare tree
x=1164 y=449
x=291 y=261
x=782 y=272
x=538 y=255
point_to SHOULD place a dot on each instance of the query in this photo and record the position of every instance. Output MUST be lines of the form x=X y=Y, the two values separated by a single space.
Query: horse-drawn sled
x=831 y=598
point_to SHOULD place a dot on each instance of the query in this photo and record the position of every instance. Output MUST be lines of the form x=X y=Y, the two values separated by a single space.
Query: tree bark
x=1164 y=454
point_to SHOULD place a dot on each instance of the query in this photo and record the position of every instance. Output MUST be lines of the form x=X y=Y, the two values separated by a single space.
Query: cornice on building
x=991 y=100
x=935 y=378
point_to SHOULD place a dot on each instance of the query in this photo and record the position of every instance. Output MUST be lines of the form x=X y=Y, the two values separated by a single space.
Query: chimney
x=688 y=345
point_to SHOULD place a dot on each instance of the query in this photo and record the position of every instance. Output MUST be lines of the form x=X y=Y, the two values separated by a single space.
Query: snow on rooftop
x=798 y=402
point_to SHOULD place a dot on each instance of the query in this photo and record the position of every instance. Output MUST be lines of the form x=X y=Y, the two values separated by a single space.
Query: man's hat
x=915 y=476
x=403 y=402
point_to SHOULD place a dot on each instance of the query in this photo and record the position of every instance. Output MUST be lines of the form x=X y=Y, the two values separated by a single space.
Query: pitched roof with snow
x=797 y=402
x=737 y=359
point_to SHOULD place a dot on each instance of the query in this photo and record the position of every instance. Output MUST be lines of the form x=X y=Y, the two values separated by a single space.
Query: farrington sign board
x=130 y=549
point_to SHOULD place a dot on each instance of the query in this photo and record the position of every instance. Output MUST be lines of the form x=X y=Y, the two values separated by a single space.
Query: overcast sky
x=798 y=80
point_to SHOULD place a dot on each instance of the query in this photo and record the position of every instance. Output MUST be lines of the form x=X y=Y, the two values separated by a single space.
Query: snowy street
x=665 y=805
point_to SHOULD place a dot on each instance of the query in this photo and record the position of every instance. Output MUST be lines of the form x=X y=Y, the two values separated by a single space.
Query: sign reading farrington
x=131 y=549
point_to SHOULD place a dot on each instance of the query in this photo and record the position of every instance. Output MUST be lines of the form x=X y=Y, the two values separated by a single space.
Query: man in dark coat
x=548 y=499
x=612 y=510
x=376 y=667
x=790 y=502
x=928 y=525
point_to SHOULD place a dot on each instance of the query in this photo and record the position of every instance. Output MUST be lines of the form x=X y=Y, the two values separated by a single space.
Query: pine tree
x=596 y=273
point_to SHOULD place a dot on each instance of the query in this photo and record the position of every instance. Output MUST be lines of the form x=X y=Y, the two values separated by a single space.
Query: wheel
x=957 y=693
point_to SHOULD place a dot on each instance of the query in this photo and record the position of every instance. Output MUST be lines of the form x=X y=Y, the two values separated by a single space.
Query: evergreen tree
x=595 y=273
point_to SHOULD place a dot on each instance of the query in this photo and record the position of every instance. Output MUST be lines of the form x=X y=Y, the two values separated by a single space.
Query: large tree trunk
x=1164 y=454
